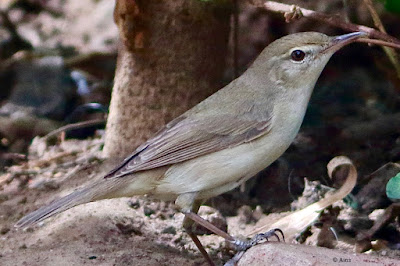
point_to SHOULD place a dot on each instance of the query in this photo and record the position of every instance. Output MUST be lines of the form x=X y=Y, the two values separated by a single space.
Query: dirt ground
x=109 y=232
x=125 y=231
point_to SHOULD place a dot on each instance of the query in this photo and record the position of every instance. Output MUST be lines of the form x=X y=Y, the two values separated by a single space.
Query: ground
x=136 y=231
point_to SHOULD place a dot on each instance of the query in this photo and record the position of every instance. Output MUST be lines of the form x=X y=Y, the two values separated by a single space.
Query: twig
x=377 y=21
x=235 y=38
x=12 y=29
x=5 y=178
x=8 y=177
x=391 y=54
x=12 y=156
x=379 y=42
x=328 y=19
x=43 y=162
x=72 y=172
x=88 y=123
x=6 y=21
x=346 y=10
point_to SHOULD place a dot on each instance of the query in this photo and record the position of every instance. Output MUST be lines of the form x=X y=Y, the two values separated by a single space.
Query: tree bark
x=171 y=56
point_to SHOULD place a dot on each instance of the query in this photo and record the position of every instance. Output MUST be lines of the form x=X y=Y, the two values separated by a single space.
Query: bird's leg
x=237 y=243
x=188 y=226
x=196 y=218
x=240 y=245
x=186 y=202
x=190 y=206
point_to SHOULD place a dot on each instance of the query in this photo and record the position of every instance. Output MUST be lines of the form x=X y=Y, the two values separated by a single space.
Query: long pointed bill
x=342 y=40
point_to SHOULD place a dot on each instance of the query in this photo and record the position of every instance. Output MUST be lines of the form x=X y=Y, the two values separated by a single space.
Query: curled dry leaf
x=298 y=221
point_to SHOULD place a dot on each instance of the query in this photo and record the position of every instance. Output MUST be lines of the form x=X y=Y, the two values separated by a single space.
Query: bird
x=222 y=141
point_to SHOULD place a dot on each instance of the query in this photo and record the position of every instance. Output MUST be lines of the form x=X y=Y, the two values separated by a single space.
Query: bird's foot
x=242 y=245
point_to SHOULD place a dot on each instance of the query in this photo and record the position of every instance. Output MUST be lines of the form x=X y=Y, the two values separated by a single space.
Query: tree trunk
x=171 y=56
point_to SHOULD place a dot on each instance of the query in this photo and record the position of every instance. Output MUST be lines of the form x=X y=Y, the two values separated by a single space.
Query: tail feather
x=101 y=189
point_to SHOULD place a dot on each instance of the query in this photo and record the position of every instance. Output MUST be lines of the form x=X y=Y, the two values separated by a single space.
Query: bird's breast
x=218 y=172
x=227 y=167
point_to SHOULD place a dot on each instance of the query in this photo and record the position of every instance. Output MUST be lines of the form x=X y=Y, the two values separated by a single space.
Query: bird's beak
x=339 y=41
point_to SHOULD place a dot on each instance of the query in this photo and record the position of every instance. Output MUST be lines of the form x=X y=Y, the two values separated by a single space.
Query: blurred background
x=58 y=60
x=58 y=57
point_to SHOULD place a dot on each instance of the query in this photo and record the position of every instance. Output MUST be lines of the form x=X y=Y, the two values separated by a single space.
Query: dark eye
x=298 y=55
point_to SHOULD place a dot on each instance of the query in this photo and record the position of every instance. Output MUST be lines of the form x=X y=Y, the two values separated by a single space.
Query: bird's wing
x=186 y=138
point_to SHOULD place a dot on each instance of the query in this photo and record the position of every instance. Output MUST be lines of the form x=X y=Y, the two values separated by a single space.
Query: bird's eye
x=297 y=55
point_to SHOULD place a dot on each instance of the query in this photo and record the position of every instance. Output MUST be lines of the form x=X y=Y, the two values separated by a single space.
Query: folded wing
x=187 y=138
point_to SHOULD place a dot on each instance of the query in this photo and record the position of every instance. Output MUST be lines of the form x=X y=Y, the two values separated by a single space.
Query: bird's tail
x=101 y=189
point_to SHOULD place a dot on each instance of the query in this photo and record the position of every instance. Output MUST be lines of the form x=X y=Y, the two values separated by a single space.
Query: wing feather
x=188 y=138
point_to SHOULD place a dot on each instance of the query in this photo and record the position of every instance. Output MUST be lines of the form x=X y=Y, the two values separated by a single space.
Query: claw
x=280 y=231
x=241 y=245
x=272 y=232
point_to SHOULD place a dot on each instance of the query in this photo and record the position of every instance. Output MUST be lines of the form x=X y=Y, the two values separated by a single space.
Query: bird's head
x=296 y=60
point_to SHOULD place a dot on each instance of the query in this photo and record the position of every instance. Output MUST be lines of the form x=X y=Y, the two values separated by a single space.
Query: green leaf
x=351 y=201
x=393 y=188
x=392 y=5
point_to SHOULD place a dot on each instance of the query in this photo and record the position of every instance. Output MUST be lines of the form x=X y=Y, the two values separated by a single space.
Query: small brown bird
x=224 y=140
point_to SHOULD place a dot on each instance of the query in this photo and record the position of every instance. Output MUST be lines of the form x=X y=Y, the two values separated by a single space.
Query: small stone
x=128 y=229
x=4 y=230
x=134 y=204
x=363 y=245
x=178 y=239
x=148 y=211
x=169 y=230
x=3 y=198
x=23 y=200
x=58 y=175
x=355 y=224
x=44 y=184
x=376 y=215
x=245 y=214
x=258 y=213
